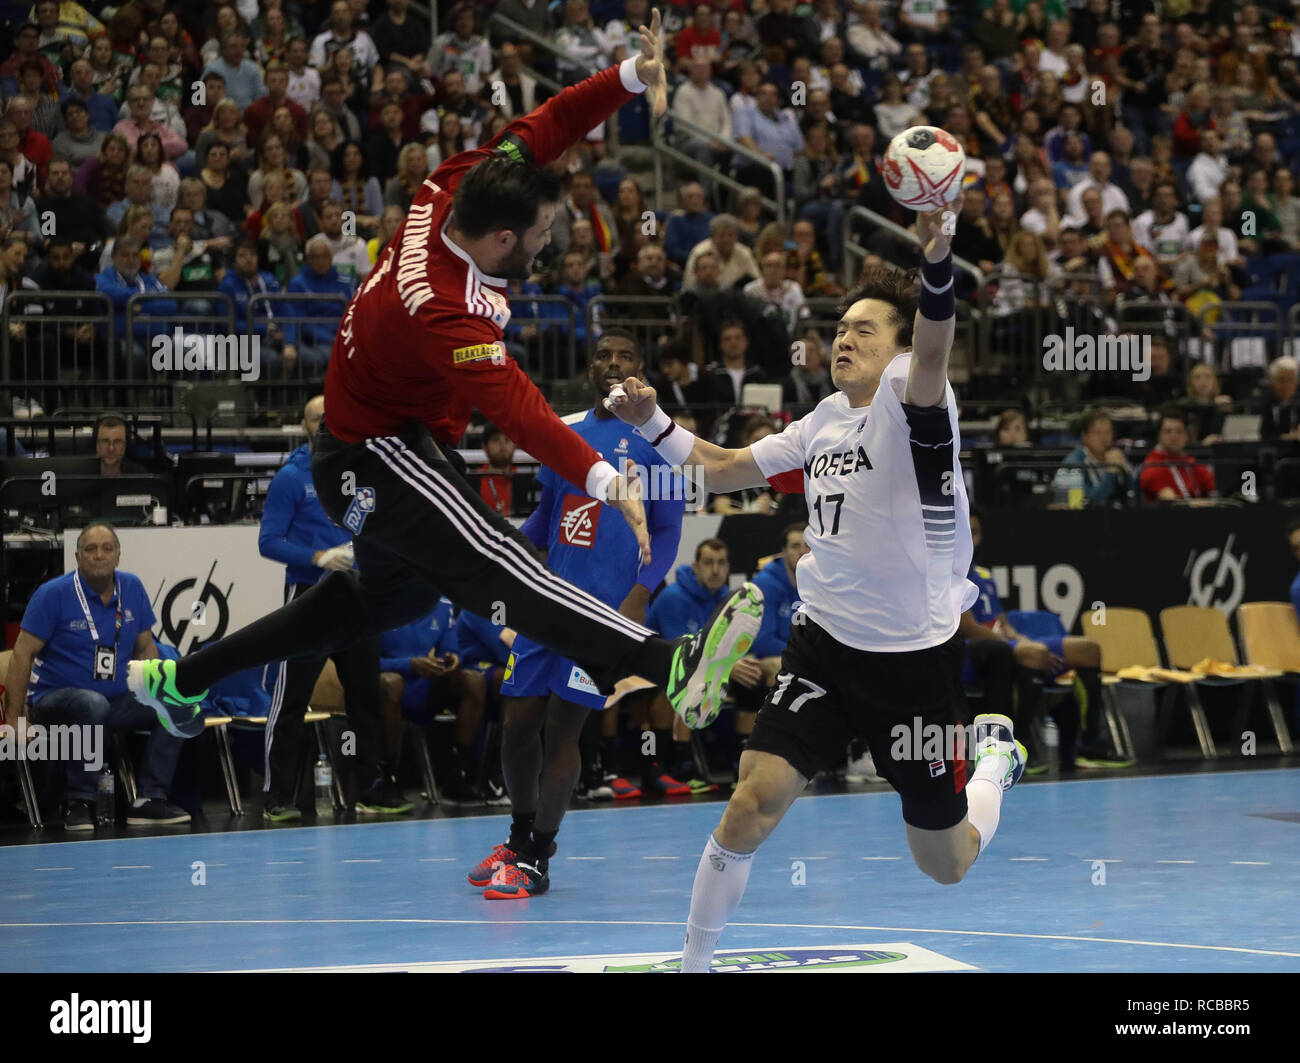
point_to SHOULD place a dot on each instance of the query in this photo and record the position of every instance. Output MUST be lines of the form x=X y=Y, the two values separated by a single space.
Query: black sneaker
x=384 y=798
x=460 y=790
x=155 y=812
x=79 y=816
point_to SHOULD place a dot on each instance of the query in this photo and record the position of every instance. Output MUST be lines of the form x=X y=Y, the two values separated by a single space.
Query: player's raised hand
x=930 y=228
x=650 y=65
x=632 y=402
x=624 y=494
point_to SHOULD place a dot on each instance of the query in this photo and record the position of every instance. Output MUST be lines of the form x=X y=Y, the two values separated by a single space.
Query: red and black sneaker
x=482 y=873
x=664 y=785
x=623 y=789
x=516 y=882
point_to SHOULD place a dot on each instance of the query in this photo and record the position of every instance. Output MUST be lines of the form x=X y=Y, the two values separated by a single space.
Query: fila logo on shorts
x=363 y=504
x=937 y=768
x=579 y=521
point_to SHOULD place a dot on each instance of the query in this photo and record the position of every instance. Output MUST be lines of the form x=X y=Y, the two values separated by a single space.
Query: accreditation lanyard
x=105 y=666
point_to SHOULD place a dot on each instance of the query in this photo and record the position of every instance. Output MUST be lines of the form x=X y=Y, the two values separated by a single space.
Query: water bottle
x=324 y=787
x=105 y=799
x=1052 y=745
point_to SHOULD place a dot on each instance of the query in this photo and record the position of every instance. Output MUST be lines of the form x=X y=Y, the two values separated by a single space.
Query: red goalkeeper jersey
x=416 y=343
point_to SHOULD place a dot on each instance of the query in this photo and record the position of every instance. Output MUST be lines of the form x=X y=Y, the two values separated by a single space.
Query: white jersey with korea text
x=888 y=518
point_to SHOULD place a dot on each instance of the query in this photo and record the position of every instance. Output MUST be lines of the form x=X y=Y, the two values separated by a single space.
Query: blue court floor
x=1166 y=873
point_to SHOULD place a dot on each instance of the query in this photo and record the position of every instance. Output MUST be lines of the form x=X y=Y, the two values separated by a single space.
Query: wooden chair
x=1194 y=632
x=1270 y=636
x=1127 y=640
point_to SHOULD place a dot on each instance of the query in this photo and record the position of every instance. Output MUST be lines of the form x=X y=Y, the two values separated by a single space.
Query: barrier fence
x=66 y=349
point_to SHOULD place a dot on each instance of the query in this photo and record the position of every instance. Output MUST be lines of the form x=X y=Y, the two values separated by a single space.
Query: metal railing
x=548 y=342
x=57 y=353
x=647 y=317
x=663 y=149
x=548 y=46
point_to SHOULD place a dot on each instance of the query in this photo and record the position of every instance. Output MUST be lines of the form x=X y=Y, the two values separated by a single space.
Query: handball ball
x=923 y=168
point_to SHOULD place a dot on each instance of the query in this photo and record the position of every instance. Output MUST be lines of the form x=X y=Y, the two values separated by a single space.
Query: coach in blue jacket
x=685 y=606
x=296 y=532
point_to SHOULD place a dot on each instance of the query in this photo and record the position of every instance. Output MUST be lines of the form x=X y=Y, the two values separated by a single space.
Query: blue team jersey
x=988 y=606
x=588 y=543
x=591 y=546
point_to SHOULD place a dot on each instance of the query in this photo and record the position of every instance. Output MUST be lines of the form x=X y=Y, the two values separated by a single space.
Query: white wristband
x=675 y=446
x=599 y=477
x=654 y=427
x=629 y=77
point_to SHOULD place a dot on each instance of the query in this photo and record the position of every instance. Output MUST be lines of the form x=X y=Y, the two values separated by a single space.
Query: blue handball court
x=1178 y=872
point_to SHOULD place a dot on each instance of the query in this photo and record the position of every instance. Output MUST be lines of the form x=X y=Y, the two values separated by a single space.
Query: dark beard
x=518 y=265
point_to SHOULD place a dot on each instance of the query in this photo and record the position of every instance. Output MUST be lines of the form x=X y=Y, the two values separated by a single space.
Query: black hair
x=977 y=514
x=710 y=544
x=796 y=526
x=889 y=285
x=616 y=333
x=501 y=194
x=1173 y=413
x=1090 y=418
x=336 y=163
x=490 y=430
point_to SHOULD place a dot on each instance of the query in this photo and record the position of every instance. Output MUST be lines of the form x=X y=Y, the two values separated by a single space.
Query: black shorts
x=827 y=694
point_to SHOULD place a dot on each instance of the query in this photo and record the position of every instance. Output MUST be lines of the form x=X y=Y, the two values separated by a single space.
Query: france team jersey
x=591 y=546
x=988 y=606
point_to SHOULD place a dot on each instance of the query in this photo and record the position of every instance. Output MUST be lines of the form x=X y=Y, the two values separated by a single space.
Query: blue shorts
x=535 y=671
x=1056 y=645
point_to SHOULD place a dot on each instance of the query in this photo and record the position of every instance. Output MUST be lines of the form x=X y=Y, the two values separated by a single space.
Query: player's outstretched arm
x=936 y=319
x=716 y=468
x=546 y=133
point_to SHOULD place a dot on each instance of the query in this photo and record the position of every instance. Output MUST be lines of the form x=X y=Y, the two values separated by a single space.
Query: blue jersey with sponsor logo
x=589 y=544
x=56 y=617
x=988 y=606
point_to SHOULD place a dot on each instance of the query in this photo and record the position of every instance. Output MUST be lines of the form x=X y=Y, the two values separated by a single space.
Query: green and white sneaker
x=702 y=663
x=995 y=737
x=154 y=684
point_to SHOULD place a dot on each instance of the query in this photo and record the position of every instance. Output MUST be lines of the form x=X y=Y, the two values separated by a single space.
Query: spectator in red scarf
x=583 y=201
x=1119 y=255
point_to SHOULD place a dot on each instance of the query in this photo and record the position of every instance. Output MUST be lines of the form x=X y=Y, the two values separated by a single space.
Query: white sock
x=719 y=884
x=984 y=799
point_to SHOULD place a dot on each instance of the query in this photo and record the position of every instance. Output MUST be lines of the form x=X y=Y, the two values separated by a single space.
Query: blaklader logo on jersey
x=579 y=521
x=838 y=463
x=480 y=352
